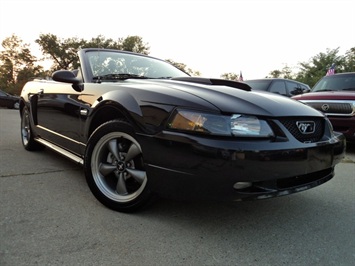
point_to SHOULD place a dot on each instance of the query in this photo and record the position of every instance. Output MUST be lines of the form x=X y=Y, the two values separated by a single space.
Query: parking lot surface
x=48 y=216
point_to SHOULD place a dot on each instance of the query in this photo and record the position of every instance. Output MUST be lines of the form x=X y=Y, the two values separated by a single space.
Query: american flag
x=331 y=70
x=241 y=76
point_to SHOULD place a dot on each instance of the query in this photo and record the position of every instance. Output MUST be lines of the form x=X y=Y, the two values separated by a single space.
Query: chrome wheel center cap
x=121 y=166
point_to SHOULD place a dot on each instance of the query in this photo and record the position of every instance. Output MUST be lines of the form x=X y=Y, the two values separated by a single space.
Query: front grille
x=332 y=108
x=291 y=125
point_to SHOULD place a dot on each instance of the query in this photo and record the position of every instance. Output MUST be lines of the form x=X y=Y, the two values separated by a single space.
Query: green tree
x=311 y=71
x=285 y=73
x=349 y=62
x=63 y=52
x=230 y=76
x=6 y=74
x=275 y=74
x=17 y=65
x=101 y=42
x=134 y=44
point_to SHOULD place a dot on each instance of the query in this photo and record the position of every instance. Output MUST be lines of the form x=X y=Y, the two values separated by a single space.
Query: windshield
x=336 y=83
x=109 y=65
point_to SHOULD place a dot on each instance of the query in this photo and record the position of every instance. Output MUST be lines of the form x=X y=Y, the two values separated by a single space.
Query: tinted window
x=278 y=87
x=260 y=85
x=293 y=88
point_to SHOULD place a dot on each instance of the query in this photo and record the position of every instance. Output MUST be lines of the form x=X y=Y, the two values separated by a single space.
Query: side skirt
x=61 y=151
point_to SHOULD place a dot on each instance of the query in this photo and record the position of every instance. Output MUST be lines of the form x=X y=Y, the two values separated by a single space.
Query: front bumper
x=190 y=167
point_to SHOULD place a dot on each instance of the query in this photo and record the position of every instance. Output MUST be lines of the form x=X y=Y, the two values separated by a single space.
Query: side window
x=279 y=87
x=293 y=88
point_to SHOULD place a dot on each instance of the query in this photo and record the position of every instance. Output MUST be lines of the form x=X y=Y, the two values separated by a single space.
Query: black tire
x=28 y=141
x=114 y=167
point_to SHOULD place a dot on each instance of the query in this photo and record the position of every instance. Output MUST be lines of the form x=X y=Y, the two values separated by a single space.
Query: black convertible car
x=141 y=127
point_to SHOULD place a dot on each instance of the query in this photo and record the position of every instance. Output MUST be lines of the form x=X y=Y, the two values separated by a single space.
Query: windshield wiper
x=164 y=78
x=122 y=76
x=348 y=89
x=323 y=90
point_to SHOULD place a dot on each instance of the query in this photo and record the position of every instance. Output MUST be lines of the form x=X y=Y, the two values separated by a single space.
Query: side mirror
x=68 y=77
x=65 y=76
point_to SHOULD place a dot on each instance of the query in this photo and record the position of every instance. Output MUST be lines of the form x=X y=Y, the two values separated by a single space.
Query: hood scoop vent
x=220 y=82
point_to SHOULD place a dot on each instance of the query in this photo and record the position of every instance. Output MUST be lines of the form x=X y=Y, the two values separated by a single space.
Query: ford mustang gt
x=140 y=128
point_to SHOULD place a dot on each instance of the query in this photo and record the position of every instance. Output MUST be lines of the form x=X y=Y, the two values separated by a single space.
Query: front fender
x=114 y=105
x=122 y=99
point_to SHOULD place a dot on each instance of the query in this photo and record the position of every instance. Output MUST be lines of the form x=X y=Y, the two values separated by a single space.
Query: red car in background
x=334 y=95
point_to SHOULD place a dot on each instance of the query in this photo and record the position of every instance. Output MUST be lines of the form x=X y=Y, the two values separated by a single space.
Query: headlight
x=249 y=126
x=236 y=125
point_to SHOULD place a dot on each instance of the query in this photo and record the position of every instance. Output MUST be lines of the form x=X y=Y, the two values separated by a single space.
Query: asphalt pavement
x=48 y=216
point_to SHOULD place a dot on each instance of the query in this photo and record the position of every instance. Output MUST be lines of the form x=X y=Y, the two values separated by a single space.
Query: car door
x=56 y=108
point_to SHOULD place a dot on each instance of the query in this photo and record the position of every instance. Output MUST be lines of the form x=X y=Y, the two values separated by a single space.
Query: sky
x=214 y=37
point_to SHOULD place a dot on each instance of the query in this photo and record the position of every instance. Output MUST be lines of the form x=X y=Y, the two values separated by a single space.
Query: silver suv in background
x=286 y=87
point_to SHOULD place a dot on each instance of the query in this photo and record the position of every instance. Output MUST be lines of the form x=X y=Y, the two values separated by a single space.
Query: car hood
x=231 y=99
x=326 y=95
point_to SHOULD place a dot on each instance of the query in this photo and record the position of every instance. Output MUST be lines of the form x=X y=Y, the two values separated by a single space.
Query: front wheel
x=27 y=138
x=114 y=167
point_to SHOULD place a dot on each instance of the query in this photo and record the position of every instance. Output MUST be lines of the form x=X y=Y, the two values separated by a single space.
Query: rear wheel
x=28 y=141
x=114 y=167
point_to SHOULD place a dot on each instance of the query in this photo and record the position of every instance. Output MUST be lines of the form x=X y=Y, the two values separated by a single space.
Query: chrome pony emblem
x=306 y=127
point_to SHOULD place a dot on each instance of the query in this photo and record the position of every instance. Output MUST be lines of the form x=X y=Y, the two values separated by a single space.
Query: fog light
x=242 y=185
